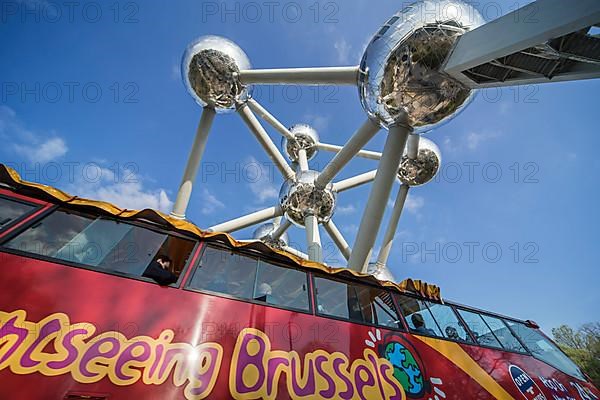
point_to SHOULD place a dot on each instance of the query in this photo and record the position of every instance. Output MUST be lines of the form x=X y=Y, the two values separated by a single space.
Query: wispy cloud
x=343 y=50
x=414 y=203
x=210 y=202
x=345 y=210
x=261 y=184
x=124 y=188
x=32 y=146
x=470 y=141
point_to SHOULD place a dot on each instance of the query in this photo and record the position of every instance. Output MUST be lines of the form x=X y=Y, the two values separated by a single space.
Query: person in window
x=160 y=272
x=452 y=333
x=419 y=325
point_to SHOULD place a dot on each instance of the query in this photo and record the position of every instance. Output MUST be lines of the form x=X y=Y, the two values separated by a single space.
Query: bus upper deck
x=79 y=318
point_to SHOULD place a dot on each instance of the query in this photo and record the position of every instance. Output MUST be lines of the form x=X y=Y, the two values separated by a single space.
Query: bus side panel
x=66 y=330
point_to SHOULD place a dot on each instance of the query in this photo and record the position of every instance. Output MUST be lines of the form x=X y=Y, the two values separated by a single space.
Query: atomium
x=380 y=272
x=423 y=168
x=209 y=70
x=299 y=198
x=401 y=67
x=263 y=233
x=305 y=137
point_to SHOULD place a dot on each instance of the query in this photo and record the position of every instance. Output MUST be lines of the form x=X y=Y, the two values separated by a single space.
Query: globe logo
x=406 y=368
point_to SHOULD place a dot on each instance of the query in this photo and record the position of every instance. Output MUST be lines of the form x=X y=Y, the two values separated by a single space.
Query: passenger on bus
x=452 y=333
x=159 y=271
x=419 y=325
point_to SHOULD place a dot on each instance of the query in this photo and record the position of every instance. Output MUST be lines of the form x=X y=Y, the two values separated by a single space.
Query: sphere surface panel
x=299 y=198
x=422 y=169
x=209 y=67
x=403 y=65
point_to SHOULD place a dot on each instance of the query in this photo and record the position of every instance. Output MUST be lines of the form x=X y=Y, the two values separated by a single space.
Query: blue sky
x=92 y=102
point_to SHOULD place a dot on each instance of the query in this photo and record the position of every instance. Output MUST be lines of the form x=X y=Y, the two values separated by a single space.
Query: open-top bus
x=79 y=320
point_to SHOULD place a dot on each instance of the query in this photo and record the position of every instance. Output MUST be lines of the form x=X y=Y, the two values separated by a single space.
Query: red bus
x=81 y=319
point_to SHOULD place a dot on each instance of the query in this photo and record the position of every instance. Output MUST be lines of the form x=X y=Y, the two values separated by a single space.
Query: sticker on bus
x=525 y=384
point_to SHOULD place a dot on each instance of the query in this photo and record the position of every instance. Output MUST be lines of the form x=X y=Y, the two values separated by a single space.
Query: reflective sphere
x=419 y=171
x=380 y=272
x=403 y=62
x=208 y=69
x=305 y=138
x=300 y=198
x=262 y=233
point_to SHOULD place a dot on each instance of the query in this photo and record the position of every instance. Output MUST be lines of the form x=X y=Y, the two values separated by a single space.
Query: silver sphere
x=262 y=233
x=401 y=65
x=300 y=198
x=305 y=137
x=380 y=272
x=209 y=70
x=419 y=171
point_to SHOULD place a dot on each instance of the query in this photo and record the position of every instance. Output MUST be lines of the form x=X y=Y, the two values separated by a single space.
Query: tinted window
x=11 y=210
x=480 y=329
x=503 y=334
x=101 y=243
x=448 y=322
x=544 y=349
x=223 y=271
x=360 y=303
x=417 y=315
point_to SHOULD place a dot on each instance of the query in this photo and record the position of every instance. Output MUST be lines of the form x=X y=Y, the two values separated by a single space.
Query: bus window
x=360 y=303
x=503 y=334
x=103 y=244
x=223 y=271
x=482 y=332
x=12 y=210
x=544 y=350
x=448 y=322
x=280 y=286
x=250 y=278
x=417 y=315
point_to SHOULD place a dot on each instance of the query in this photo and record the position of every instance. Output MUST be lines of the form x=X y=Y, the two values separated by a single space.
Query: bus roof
x=9 y=177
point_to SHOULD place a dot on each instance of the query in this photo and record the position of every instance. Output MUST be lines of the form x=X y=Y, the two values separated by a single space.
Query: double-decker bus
x=80 y=318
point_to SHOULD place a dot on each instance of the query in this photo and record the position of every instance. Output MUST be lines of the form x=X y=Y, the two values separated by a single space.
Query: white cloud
x=471 y=141
x=125 y=190
x=31 y=146
x=414 y=203
x=319 y=122
x=39 y=150
x=350 y=228
x=342 y=49
x=210 y=202
x=260 y=181
x=175 y=72
x=474 y=140
x=344 y=210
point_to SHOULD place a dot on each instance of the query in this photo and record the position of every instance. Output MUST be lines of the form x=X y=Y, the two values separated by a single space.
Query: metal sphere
x=419 y=171
x=402 y=65
x=305 y=137
x=380 y=272
x=300 y=198
x=262 y=233
x=208 y=69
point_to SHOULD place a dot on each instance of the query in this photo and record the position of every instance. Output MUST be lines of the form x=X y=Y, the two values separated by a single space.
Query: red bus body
x=72 y=333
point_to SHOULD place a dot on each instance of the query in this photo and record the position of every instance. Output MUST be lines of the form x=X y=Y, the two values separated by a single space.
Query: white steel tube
x=380 y=192
x=350 y=149
x=295 y=252
x=247 y=220
x=313 y=239
x=302 y=160
x=189 y=176
x=412 y=146
x=264 y=139
x=354 y=181
x=335 y=235
x=388 y=238
x=284 y=225
x=269 y=118
x=302 y=76
x=371 y=155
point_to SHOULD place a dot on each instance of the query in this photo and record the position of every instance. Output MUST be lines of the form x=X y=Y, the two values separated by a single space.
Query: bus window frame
x=46 y=212
x=476 y=343
x=401 y=328
x=206 y=244
x=39 y=206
